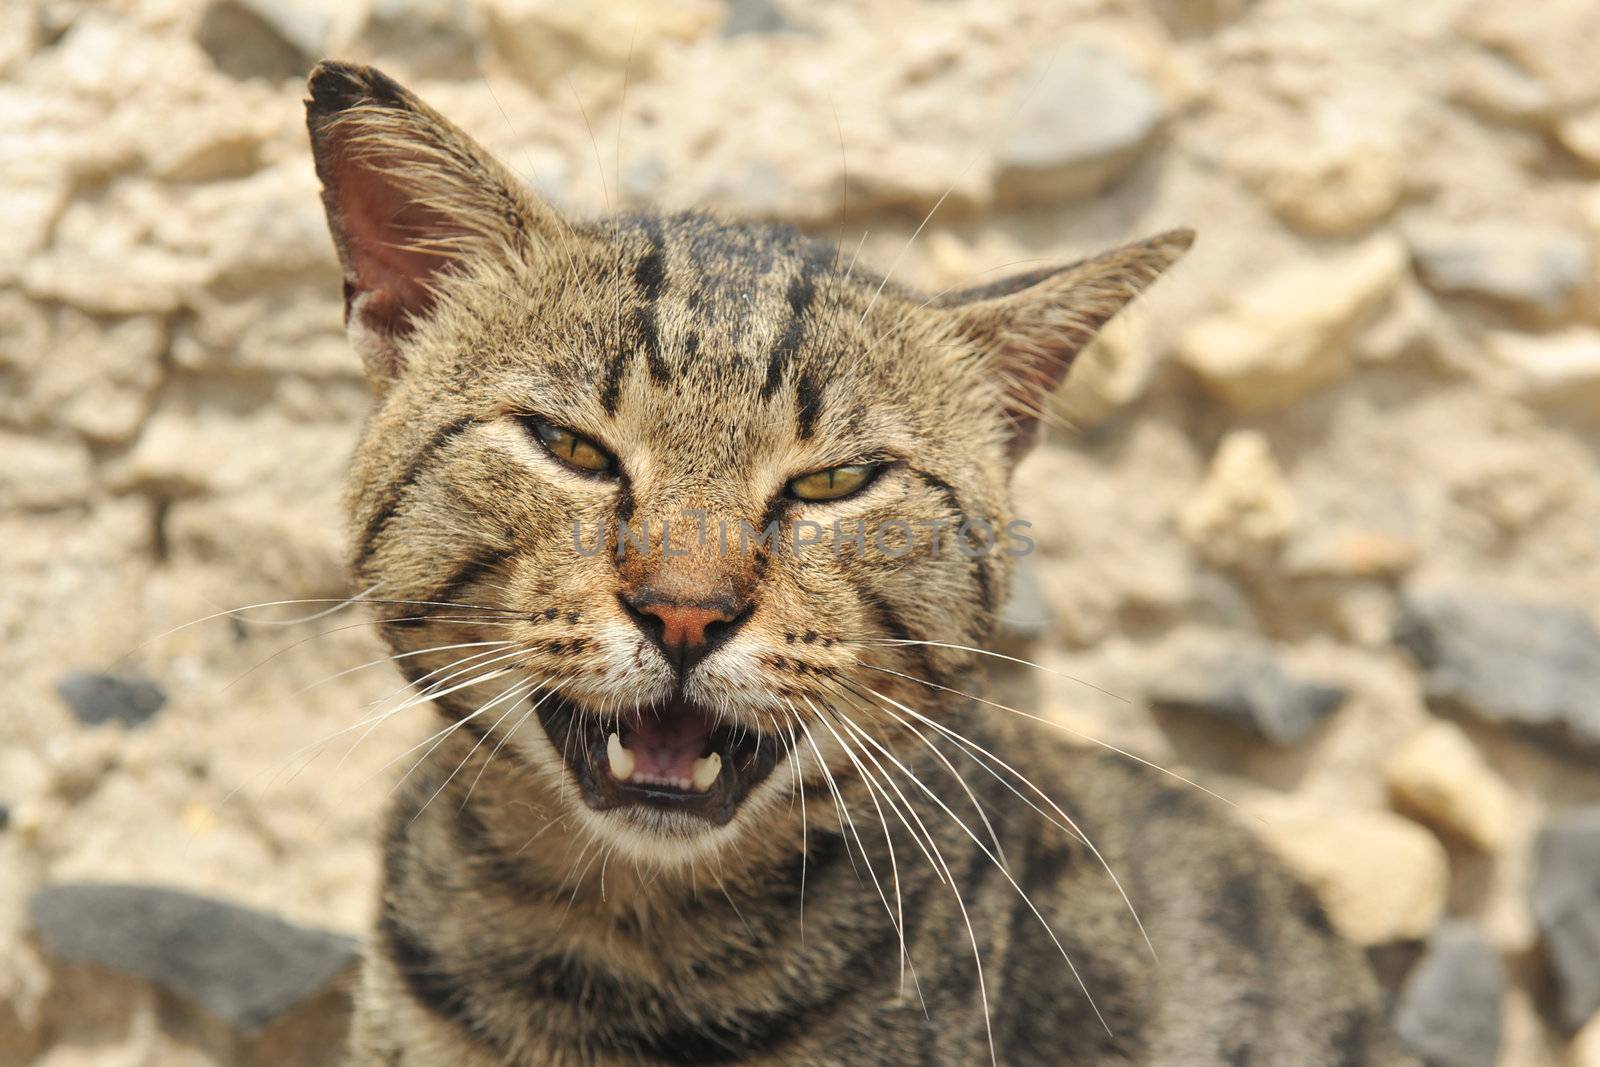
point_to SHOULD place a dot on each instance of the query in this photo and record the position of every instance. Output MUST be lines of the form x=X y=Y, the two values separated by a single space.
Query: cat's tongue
x=665 y=746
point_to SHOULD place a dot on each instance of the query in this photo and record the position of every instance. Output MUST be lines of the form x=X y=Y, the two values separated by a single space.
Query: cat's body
x=703 y=800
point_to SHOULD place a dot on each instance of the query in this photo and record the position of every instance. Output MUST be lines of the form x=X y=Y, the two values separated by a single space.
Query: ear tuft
x=1032 y=326
x=409 y=198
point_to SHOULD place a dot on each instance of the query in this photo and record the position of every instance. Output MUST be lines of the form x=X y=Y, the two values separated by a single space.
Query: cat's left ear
x=410 y=198
x=1030 y=328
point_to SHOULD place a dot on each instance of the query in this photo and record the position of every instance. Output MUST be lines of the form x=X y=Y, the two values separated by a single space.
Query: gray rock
x=433 y=38
x=1566 y=904
x=756 y=16
x=1449 y=1007
x=1241 y=681
x=1530 y=666
x=245 y=967
x=272 y=39
x=1529 y=269
x=1082 y=119
x=1025 y=615
x=101 y=698
x=5 y=817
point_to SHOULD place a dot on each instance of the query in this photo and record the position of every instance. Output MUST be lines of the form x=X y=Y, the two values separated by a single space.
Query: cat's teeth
x=706 y=771
x=621 y=759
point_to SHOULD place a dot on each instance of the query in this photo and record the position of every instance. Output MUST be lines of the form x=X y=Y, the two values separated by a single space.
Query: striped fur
x=840 y=914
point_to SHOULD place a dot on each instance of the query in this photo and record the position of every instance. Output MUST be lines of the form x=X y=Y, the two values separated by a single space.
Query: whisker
x=1022 y=893
x=1108 y=746
x=999 y=655
x=526 y=688
x=1071 y=826
x=898 y=916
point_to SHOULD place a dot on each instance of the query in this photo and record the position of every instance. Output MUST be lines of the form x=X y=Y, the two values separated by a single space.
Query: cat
x=650 y=510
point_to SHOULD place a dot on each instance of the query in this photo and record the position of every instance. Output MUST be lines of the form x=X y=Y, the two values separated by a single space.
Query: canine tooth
x=621 y=759
x=706 y=771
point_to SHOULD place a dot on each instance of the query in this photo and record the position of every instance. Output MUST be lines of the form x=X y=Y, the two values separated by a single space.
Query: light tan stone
x=1382 y=878
x=1244 y=509
x=1558 y=370
x=1290 y=334
x=39 y=474
x=97 y=377
x=1585 y=1048
x=1441 y=779
x=1350 y=552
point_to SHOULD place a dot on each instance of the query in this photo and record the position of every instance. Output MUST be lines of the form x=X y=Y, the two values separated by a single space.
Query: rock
x=1244 y=509
x=757 y=17
x=1337 y=179
x=1585 y=1048
x=1555 y=370
x=30 y=210
x=1449 y=1006
x=1551 y=42
x=272 y=39
x=1193 y=17
x=1082 y=119
x=1440 y=778
x=1524 y=268
x=40 y=474
x=1349 y=552
x=1580 y=135
x=1380 y=877
x=94 y=376
x=1530 y=666
x=101 y=698
x=1025 y=615
x=1291 y=334
x=1241 y=681
x=1566 y=905
x=294 y=548
x=545 y=41
x=1500 y=91
x=5 y=817
x=432 y=38
x=243 y=966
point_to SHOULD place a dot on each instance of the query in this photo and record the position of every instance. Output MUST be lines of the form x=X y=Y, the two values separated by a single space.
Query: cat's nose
x=685 y=631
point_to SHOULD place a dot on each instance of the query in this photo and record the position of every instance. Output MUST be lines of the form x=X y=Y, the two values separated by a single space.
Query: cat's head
x=658 y=503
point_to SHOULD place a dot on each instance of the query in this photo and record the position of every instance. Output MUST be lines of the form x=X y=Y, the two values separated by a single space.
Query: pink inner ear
x=379 y=224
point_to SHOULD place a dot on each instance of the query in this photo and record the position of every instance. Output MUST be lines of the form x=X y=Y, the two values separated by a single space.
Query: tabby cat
x=690 y=531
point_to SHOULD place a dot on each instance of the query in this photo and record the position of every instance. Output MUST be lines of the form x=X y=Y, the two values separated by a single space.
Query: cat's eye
x=835 y=483
x=571 y=448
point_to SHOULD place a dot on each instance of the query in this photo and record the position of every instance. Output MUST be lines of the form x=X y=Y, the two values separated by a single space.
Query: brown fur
x=717 y=361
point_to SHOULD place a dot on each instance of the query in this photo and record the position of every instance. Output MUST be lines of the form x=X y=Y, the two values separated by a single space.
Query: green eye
x=835 y=483
x=573 y=450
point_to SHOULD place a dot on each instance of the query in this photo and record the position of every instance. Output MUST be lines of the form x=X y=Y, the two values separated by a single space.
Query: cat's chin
x=666 y=767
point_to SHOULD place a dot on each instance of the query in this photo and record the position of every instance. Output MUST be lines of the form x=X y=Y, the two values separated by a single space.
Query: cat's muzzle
x=675 y=756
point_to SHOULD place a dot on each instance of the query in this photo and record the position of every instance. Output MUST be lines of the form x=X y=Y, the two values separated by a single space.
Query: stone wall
x=1327 y=522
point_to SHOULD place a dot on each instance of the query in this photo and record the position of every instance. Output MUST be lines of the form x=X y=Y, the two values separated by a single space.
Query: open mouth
x=674 y=756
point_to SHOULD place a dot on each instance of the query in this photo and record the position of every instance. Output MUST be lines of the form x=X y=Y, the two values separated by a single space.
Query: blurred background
x=1323 y=534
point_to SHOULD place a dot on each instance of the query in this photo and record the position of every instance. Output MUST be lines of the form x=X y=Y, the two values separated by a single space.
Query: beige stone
x=1350 y=552
x=1244 y=509
x=97 y=377
x=1439 y=777
x=1382 y=878
x=543 y=41
x=1585 y=1048
x=1290 y=334
x=1553 y=369
x=1580 y=135
x=39 y=474
x=1337 y=189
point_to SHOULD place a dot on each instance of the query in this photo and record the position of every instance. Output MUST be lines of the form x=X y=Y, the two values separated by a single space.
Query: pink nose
x=684 y=625
x=685 y=632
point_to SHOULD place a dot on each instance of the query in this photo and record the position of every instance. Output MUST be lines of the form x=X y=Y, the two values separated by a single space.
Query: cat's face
x=683 y=508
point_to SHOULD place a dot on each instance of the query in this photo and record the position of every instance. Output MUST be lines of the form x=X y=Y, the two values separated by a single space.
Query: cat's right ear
x=410 y=199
